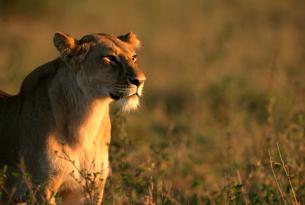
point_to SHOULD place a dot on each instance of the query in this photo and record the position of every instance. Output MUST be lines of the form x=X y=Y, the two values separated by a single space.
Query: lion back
x=4 y=94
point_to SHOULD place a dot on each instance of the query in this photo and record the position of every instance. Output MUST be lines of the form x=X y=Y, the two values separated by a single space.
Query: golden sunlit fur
x=58 y=126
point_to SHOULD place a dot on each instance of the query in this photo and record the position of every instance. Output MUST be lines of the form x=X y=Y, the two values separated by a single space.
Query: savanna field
x=222 y=120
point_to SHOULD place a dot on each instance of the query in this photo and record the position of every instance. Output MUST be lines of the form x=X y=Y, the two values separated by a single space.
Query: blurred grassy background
x=226 y=83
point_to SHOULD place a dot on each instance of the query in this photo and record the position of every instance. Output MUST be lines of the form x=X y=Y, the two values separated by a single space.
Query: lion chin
x=129 y=103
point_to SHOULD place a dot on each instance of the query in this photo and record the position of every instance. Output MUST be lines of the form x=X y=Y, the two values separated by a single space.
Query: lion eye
x=110 y=59
x=134 y=58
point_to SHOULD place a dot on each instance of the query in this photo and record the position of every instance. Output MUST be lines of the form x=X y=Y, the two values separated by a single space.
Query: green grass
x=223 y=103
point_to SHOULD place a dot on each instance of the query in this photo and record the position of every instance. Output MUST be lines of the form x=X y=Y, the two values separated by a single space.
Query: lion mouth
x=121 y=96
x=115 y=97
x=126 y=93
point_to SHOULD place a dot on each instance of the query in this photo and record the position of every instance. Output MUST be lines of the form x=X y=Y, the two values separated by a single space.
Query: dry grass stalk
x=295 y=200
x=275 y=179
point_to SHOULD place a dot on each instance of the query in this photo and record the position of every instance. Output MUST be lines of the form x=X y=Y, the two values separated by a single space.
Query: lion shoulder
x=38 y=76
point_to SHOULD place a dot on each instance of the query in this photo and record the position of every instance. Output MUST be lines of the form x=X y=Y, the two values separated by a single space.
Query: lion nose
x=136 y=80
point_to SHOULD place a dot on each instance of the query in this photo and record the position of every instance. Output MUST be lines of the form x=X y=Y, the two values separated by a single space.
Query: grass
x=269 y=171
x=223 y=117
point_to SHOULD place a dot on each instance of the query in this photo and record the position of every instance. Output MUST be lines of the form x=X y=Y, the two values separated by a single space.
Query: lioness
x=58 y=126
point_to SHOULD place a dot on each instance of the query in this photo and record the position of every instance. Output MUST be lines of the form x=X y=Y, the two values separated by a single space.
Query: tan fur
x=58 y=126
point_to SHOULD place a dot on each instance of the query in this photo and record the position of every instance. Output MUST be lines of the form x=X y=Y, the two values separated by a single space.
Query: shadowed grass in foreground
x=271 y=171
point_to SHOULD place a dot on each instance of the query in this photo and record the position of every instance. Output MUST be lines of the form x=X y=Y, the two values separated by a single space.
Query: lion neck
x=78 y=116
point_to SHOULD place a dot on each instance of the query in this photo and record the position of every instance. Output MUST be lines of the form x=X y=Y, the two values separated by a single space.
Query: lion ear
x=64 y=42
x=131 y=38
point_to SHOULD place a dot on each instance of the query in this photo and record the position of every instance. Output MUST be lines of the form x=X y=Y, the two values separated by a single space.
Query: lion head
x=105 y=66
